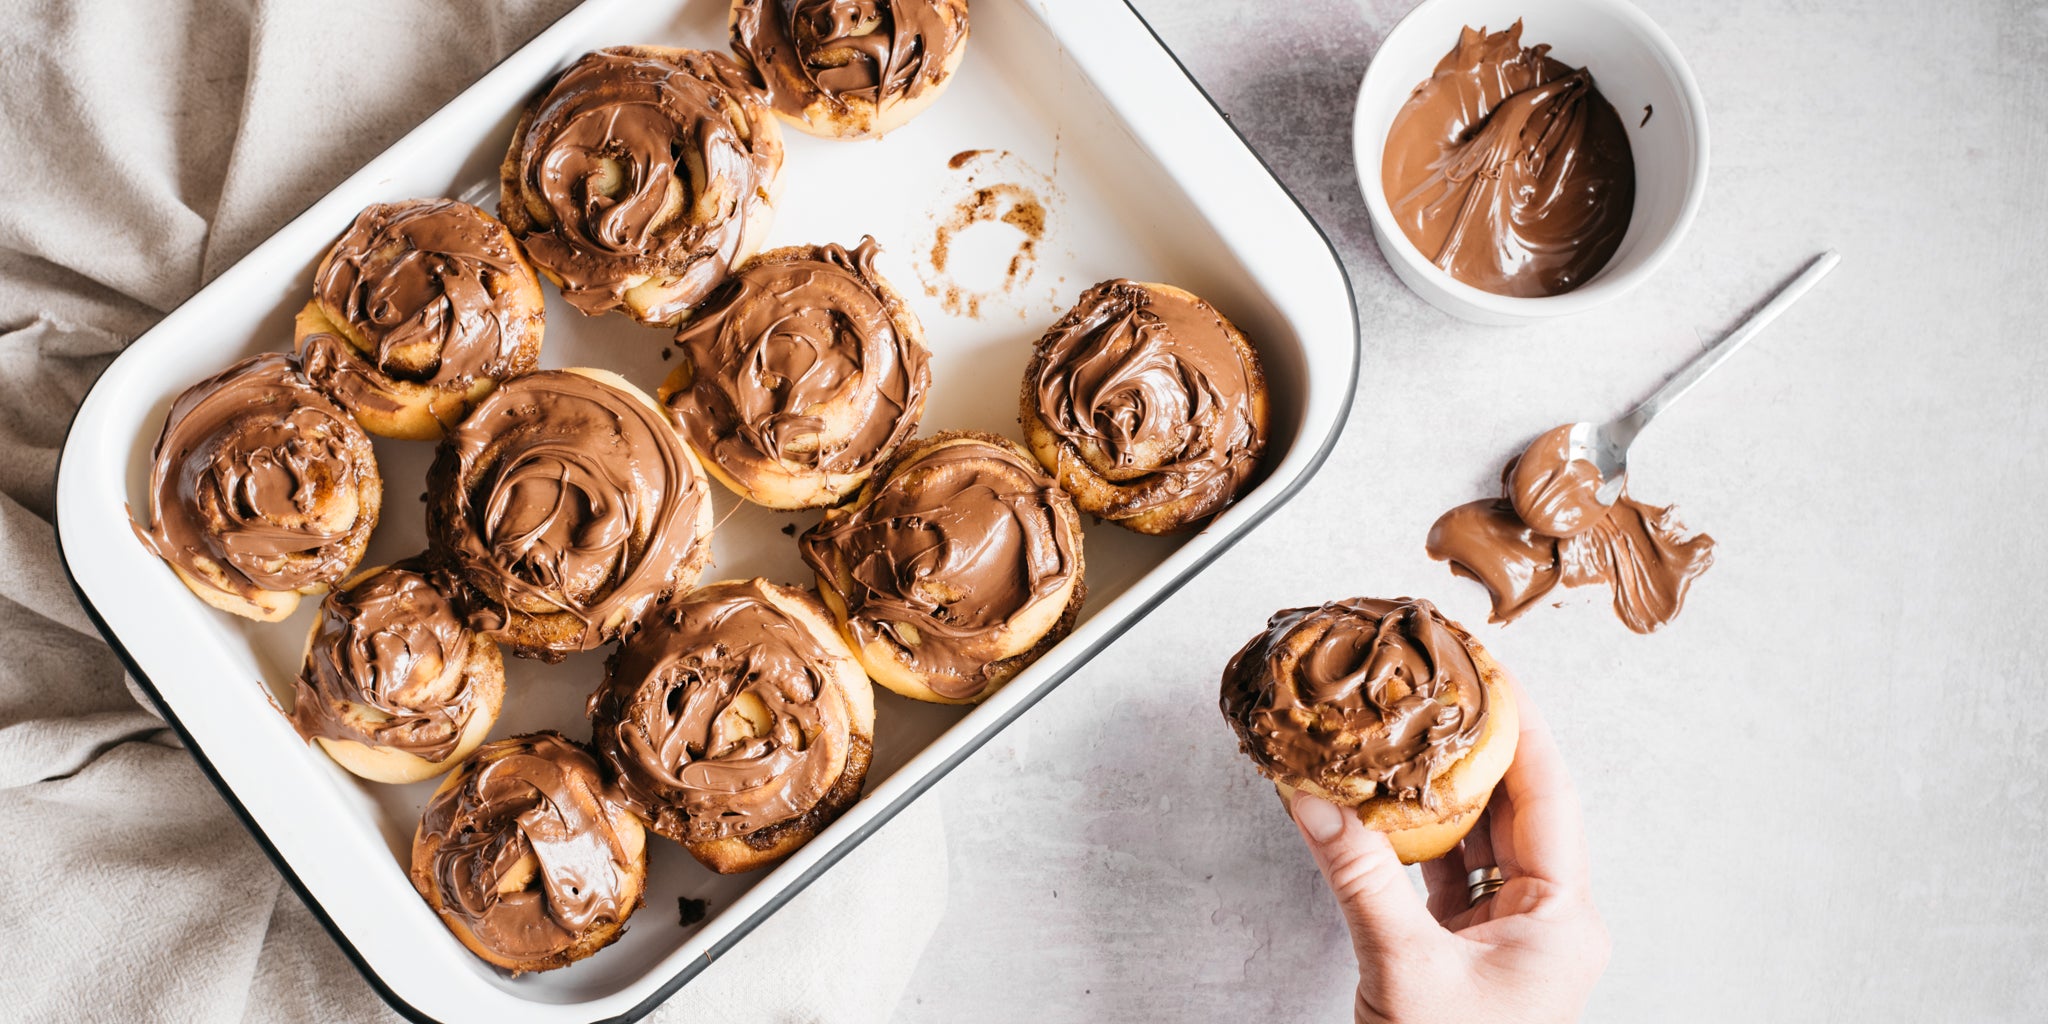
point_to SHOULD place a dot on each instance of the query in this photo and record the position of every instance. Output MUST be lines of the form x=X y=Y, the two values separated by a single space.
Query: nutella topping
x=836 y=50
x=1384 y=690
x=335 y=366
x=641 y=163
x=388 y=667
x=1549 y=529
x=799 y=366
x=1509 y=170
x=418 y=283
x=1152 y=392
x=562 y=493
x=958 y=542
x=1555 y=489
x=1487 y=542
x=531 y=807
x=722 y=715
x=261 y=477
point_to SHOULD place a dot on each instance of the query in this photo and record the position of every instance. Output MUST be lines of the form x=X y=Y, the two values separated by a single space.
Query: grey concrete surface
x=1817 y=796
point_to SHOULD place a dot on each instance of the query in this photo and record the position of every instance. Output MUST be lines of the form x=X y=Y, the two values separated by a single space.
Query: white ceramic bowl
x=1635 y=65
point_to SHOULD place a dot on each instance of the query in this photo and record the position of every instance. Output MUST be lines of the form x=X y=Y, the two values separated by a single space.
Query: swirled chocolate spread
x=641 y=163
x=260 y=482
x=334 y=365
x=805 y=51
x=388 y=667
x=1384 y=690
x=562 y=493
x=1549 y=529
x=958 y=542
x=1555 y=488
x=1152 y=392
x=419 y=282
x=798 y=366
x=1509 y=170
x=523 y=848
x=722 y=715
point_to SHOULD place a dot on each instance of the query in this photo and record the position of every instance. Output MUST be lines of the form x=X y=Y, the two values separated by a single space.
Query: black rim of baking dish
x=918 y=787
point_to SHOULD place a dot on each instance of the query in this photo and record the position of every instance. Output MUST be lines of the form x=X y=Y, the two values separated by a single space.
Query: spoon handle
x=1682 y=381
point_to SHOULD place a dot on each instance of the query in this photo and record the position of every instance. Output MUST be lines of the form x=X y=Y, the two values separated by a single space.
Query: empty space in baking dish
x=1112 y=209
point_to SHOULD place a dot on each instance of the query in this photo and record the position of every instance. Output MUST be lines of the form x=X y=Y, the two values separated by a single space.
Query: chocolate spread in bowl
x=1509 y=170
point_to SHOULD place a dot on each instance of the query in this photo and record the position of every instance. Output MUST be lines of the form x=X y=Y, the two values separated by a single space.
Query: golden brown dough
x=394 y=685
x=850 y=69
x=803 y=373
x=640 y=177
x=956 y=567
x=569 y=508
x=261 y=489
x=521 y=904
x=417 y=312
x=1148 y=405
x=737 y=722
x=1382 y=706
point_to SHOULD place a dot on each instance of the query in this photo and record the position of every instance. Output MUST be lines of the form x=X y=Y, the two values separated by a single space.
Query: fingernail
x=1318 y=817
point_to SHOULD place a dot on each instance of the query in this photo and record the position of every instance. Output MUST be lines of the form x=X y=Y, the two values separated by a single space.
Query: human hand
x=1528 y=954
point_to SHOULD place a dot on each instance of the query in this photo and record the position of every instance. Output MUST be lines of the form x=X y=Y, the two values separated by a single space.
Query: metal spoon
x=1607 y=446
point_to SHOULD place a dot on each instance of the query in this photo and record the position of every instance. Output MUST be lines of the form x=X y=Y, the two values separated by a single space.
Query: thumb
x=1386 y=916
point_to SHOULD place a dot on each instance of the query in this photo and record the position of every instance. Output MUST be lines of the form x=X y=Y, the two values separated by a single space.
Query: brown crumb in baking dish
x=691 y=911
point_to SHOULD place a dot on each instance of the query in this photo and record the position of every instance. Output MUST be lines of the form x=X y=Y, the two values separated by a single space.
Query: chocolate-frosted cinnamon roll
x=850 y=68
x=526 y=855
x=395 y=686
x=1148 y=405
x=737 y=722
x=260 y=489
x=1385 y=706
x=801 y=375
x=956 y=567
x=569 y=506
x=640 y=177
x=417 y=312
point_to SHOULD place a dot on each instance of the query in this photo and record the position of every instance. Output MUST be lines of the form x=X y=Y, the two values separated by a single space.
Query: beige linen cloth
x=145 y=146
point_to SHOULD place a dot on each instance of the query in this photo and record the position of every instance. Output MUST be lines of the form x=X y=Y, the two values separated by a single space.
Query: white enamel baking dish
x=1076 y=99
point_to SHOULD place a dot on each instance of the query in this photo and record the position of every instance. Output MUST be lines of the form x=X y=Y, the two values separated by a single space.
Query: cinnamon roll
x=395 y=687
x=850 y=68
x=640 y=177
x=260 y=489
x=956 y=567
x=417 y=312
x=1383 y=706
x=803 y=373
x=1148 y=405
x=569 y=507
x=737 y=722
x=526 y=855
